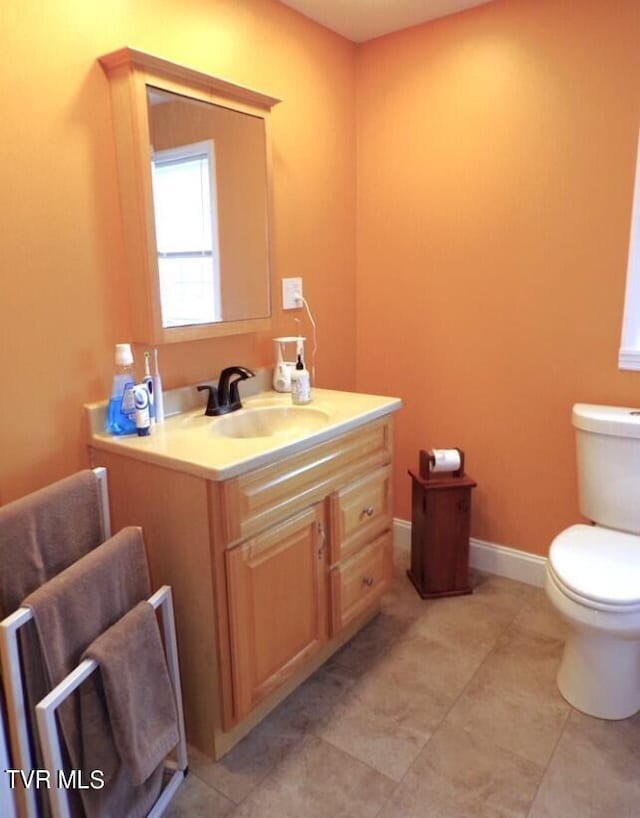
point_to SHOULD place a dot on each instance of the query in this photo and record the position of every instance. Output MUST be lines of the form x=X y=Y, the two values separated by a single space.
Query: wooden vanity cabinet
x=272 y=570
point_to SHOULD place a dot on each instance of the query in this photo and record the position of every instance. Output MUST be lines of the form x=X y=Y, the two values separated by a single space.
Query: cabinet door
x=277 y=605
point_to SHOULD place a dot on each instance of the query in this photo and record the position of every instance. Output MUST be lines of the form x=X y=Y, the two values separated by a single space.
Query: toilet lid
x=598 y=563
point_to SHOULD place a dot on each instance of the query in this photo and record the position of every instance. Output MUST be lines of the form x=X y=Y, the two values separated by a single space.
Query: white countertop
x=189 y=442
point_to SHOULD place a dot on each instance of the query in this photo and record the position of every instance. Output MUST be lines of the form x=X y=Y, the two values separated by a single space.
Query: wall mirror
x=194 y=174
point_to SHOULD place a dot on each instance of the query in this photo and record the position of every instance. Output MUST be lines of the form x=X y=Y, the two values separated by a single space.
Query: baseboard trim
x=487 y=556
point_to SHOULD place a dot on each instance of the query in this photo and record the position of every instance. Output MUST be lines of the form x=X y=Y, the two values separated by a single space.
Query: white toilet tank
x=608 y=449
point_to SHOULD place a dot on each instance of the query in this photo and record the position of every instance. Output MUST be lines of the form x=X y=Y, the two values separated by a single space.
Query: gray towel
x=71 y=611
x=138 y=690
x=40 y=535
x=43 y=533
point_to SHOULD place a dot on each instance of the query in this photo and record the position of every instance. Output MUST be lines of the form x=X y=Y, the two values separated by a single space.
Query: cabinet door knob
x=368 y=581
x=368 y=511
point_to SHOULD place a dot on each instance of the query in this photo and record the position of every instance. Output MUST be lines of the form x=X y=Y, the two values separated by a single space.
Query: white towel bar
x=10 y=666
x=16 y=705
x=48 y=731
x=7 y=802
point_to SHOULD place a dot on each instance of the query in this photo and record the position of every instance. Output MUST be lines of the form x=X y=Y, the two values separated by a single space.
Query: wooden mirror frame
x=130 y=72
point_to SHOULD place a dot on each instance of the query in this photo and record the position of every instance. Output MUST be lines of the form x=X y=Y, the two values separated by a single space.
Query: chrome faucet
x=225 y=397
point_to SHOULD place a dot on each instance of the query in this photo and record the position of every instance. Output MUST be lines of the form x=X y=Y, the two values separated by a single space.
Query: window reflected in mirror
x=186 y=220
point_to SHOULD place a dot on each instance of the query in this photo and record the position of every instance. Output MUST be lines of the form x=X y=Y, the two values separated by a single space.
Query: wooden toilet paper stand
x=441 y=521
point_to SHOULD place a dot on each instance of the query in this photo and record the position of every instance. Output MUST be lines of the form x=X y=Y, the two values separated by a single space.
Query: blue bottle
x=121 y=412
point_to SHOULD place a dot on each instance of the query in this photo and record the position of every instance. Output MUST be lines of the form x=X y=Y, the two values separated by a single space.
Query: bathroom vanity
x=271 y=524
x=273 y=527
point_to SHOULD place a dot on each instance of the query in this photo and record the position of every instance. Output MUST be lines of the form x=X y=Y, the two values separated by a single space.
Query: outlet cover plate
x=291 y=287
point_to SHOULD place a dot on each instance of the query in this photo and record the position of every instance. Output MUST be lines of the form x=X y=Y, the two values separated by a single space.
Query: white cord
x=315 y=339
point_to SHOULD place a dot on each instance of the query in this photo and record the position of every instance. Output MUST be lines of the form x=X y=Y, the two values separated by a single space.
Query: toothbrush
x=158 y=397
x=148 y=382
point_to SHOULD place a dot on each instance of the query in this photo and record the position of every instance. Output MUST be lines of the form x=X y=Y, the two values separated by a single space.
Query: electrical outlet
x=291 y=293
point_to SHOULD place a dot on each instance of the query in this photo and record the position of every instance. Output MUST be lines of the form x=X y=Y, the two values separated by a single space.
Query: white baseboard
x=486 y=556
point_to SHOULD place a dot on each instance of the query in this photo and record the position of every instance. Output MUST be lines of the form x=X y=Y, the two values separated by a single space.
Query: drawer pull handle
x=368 y=511
x=368 y=581
x=322 y=537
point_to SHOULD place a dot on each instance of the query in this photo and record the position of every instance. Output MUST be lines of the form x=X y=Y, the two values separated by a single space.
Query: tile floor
x=440 y=709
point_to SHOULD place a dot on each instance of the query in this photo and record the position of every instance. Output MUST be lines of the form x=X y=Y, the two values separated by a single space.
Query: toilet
x=593 y=571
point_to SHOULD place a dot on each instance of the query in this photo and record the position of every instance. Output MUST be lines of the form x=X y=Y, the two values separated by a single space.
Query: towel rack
x=48 y=731
x=16 y=704
x=7 y=803
x=10 y=666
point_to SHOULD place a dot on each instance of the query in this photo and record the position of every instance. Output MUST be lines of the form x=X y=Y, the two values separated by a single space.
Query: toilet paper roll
x=445 y=460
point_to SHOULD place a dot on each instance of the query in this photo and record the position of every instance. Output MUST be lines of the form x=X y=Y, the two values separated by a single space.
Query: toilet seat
x=586 y=602
x=597 y=567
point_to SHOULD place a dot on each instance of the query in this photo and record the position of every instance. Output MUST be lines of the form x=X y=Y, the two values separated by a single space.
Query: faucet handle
x=212 y=400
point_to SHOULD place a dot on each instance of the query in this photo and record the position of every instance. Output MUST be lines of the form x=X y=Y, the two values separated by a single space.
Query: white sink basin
x=267 y=428
x=288 y=422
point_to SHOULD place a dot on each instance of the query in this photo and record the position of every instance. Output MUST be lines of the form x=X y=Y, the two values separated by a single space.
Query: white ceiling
x=361 y=20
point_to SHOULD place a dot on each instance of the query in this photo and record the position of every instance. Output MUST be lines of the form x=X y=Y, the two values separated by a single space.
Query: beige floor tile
x=244 y=767
x=511 y=719
x=473 y=622
x=619 y=741
x=499 y=591
x=195 y=799
x=513 y=700
x=538 y=615
x=403 y=601
x=392 y=710
x=314 y=702
x=525 y=660
x=418 y=797
x=458 y=775
x=594 y=771
x=318 y=781
x=363 y=652
x=372 y=737
x=467 y=623
x=416 y=681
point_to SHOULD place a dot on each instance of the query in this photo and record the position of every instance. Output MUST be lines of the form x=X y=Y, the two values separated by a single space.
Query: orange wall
x=494 y=174
x=62 y=246
x=496 y=153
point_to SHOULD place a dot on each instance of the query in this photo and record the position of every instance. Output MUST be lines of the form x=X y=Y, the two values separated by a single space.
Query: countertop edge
x=106 y=443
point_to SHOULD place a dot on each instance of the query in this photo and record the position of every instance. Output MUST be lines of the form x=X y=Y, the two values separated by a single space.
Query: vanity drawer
x=252 y=502
x=359 y=582
x=359 y=511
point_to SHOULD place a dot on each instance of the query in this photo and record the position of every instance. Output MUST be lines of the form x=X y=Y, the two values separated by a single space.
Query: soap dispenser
x=300 y=384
